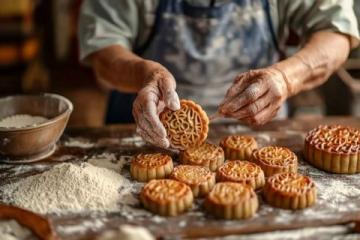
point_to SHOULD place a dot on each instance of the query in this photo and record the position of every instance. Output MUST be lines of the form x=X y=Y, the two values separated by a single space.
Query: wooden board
x=338 y=198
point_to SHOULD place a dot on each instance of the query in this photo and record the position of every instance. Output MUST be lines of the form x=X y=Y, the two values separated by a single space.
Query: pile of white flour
x=109 y=161
x=11 y=230
x=68 y=187
x=21 y=120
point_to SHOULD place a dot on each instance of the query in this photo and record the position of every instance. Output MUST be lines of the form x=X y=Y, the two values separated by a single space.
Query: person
x=226 y=55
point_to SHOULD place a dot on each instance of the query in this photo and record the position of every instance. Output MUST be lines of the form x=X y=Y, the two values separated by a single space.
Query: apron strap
x=119 y=109
x=271 y=28
x=158 y=14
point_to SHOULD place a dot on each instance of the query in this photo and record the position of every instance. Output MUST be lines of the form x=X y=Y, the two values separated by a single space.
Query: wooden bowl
x=37 y=142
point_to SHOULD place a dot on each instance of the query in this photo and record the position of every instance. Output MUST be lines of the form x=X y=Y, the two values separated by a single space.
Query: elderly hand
x=158 y=92
x=256 y=96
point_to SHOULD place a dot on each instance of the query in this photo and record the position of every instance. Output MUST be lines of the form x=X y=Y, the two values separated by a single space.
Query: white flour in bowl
x=21 y=121
x=11 y=230
x=68 y=188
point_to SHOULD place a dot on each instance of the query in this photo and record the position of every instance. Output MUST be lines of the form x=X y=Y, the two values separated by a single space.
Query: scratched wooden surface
x=332 y=208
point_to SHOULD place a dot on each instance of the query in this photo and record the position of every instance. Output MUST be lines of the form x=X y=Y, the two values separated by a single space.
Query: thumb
x=171 y=100
x=170 y=97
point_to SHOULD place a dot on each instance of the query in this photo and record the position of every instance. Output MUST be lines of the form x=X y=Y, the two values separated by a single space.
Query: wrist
x=154 y=71
x=147 y=68
x=140 y=71
x=294 y=73
x=284 y=78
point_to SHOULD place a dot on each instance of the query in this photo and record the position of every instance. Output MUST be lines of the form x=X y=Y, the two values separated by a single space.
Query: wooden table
x=334 y=206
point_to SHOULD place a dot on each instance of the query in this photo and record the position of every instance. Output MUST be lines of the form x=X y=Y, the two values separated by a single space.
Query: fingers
x=167 y=86
x=152 y=119
x=146 y=130
x=237 y=87
x=144 y=135
x=158 y=91
x=147 y=119
x=255 y=96
x=254 y=107
x=263 y=116
x=251 y=94
x=160 y=107
x=171 y=100
x=240 y=83
x=163 y=143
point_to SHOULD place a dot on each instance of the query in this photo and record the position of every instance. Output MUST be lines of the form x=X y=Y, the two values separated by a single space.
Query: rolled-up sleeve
x=104 y=23
x=306 y=17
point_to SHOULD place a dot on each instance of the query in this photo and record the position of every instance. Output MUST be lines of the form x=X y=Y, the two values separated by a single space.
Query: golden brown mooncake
x=230 y=200
x=290 y=191
x=238 y=147
x=273 y=159
x=200 y=179
x=166 y=197
x=207 y=155
x=242 y=172
x=145 y=167
x=333 y=148
x=186 y=127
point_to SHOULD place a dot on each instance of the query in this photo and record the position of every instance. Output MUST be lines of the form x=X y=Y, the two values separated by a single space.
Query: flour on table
x=21 y=121
x=127 y=232
x=78 y=142
x=11 y=230
x=264 y=137
x=236 y=129
x=305 y=233
x=136 y=141
x=334 y=190
x=69 y=187
x=109 y=161
x=86 y=225
x=340 y=189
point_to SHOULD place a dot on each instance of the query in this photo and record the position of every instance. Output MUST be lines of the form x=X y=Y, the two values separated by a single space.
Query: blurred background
x=39 y=53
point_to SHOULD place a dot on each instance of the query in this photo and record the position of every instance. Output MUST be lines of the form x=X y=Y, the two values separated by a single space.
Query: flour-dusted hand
x=256 y=96
x=157 y=93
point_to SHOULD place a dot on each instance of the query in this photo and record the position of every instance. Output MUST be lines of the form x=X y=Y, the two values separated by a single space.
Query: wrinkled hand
x=256 y=96
x=157 y=93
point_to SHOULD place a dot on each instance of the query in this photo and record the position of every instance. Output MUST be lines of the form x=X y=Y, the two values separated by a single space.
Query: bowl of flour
x=30 y=126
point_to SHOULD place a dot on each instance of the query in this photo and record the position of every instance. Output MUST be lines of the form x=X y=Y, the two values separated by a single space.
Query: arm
x=122 y=70
x=315 y=62
x=107 y=31
x=328 y=29
x=256 y=96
